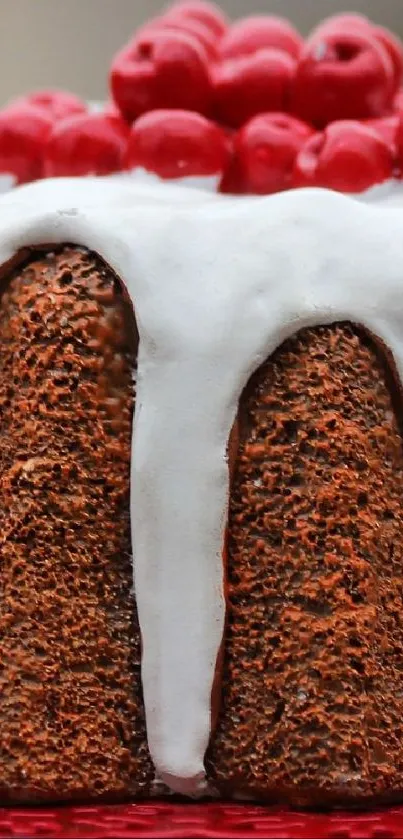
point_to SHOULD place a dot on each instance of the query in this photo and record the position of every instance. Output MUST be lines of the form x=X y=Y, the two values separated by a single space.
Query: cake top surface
x=217 y=283
x=252 y=105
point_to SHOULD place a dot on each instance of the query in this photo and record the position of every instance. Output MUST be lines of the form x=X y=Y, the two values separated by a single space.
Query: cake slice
x=312 y=692
x=72 y=717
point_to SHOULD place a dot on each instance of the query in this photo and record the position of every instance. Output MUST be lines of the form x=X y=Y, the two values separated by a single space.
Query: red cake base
x=180 y=821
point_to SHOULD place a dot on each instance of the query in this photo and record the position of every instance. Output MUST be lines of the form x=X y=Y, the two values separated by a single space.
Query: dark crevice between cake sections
x=312 y=689
x=71 y=711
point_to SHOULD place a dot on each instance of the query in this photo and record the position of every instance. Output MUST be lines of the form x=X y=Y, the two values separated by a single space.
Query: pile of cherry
x=250 y=103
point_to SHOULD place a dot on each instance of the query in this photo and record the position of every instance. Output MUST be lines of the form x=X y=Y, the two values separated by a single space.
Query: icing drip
x=217 y=284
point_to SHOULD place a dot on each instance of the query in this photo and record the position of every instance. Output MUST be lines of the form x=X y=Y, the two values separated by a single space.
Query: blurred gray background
x=69 y=43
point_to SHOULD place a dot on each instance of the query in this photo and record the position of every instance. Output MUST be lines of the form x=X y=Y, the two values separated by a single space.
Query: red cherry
x=344 y=22
x=347 y=156
x=177 y=144
x=394 y=48
x=266 y=148
x=398 y=102
x=198 y=30
x=399 y=141
x=358 y=23
x=24 y=130
x=86 y=144
x=164 y=69
x=110 y=109
x=209 y=14
x=232 y=182
x=342 y=75
x=250 y=34
x=252 y=84
x=386 y=127
x=57 y=103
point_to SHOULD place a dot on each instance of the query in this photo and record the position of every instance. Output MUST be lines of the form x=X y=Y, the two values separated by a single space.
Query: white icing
x=7 y=181
x=390 y=193
x=210 y=183
x=217 y=284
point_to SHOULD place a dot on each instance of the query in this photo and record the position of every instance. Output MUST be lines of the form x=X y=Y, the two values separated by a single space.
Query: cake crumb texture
x=71 y=713
x=312 y=697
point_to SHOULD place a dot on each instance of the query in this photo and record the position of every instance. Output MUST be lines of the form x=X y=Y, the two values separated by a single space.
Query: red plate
x=179 y=821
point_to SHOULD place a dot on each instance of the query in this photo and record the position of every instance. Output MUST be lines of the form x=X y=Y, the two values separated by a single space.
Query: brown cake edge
x=221 y=760
x=118 y=767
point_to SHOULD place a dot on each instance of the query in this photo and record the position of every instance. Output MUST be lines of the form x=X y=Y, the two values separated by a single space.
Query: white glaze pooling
x=217 y=283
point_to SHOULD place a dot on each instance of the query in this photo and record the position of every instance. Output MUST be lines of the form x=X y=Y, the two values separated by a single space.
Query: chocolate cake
x=201 y=415
x=200 y=395
x=313 y=681
x=72 y=719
